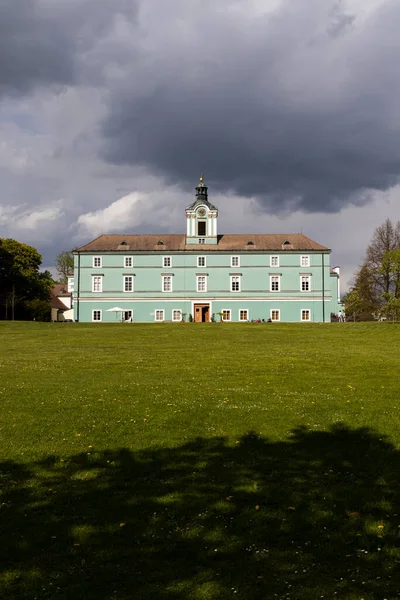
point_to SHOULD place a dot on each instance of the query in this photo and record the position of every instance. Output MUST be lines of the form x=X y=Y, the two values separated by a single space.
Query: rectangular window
x=305 y=315
x=235 y=261
x=167 y=283
x=202 y=241
x=97 y=262
x=128 y=262
x=243 y=315
x=97 y=283
x=235 y=283
x=128 y=316
x=201 y=261
x=201 y=283
x=128 y=284
x=177 y=315
x=159 y=315
x=274 y=283
x=226 y=315
x=167 y=261
x=96 y=315
x=304 y=261
x=274 y=261
x=201 y=228
x=305 y=283
x=275 y=315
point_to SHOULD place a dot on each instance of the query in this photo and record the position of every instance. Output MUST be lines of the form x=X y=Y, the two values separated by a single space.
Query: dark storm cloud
x=43 y=42
x=298 y=108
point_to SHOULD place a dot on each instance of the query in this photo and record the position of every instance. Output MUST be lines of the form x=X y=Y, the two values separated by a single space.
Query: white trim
x=97 y=310
x=163 y=279
x=204 y=259
x=239 y=278
x=128 y=258
x=197 y=300
x=301 y=315
x=237 y=262
x=180 y=312
x=214 y=298
x=126 y=278
x=308 y=278
x=97 y=258
x=130 y=319
x=229 y=310
x=307 y=261
x=270 y=260
x=198 y=277
x=278 y=310
x=100 y=278
x=271 y=277
x=243 y=310
x=159 y=310
x=169 y=260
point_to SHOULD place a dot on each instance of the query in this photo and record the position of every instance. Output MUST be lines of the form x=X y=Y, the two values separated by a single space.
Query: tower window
x=201 y=228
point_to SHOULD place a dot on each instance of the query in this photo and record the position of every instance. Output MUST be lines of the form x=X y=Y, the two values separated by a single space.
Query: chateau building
x=204 y=275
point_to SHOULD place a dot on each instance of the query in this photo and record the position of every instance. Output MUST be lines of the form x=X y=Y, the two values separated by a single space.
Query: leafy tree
x=361 y=303
x=378 y=279
x=64 y=265
x=20 y=277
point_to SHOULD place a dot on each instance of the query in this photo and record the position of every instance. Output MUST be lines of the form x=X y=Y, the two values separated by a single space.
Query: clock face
x=201 y=212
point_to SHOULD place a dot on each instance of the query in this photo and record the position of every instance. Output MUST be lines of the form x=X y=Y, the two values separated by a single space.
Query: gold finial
x=201 y=177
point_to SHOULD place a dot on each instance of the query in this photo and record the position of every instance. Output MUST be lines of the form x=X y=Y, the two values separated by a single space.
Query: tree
x=65 y=266
x=20 y=277
x=361 y=303
x=378 y=279
x=385 y=238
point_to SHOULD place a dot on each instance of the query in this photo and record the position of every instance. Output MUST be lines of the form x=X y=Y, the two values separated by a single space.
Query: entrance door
x=201 y=313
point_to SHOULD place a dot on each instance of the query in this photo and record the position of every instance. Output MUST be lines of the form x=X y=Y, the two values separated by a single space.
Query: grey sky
x=109 y=110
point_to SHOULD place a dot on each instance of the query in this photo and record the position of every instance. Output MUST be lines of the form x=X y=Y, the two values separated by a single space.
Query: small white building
x=61 y=303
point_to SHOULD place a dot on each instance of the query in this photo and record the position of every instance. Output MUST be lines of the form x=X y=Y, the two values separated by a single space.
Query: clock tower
x=201 y=217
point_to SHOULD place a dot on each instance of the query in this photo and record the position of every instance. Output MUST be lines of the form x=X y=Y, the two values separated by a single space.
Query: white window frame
x=202 y=240
x=272 y=259
x=246 y=310
x=99 y=260
x=167 y=262
x=229 y=311
x=100 y=281
x=130 y=319
x=201 y=259
x=275 y=310
x=304 y=261
x=161 y=312
x=163 y=286
x=97 y=310
x=198 y=278
x=128 y=262
x=176 y=310
x=235 y=261
x=303 y=310
x=126 y=279
x=234 y=277
x=305 y=278
x=272 y=279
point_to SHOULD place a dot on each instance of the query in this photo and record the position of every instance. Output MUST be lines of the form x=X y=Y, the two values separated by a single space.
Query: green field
x=209 y=461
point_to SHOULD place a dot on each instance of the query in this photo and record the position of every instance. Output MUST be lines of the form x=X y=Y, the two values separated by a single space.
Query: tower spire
x=202 y=189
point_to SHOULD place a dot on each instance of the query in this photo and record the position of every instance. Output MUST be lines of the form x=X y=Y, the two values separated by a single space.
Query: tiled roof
x=176 y=242
x=61 y=290
x=56 y=303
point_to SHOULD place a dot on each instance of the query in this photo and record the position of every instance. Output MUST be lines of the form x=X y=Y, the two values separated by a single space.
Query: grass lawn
x=199 y=461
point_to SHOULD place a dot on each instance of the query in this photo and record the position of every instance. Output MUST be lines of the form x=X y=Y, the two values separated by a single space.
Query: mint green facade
x=204 y=281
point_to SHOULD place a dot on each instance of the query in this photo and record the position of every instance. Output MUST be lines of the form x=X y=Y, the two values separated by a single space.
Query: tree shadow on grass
x=316 y=516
